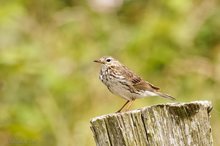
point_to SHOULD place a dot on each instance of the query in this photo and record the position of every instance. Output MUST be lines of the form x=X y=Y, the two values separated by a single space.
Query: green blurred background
x=49 y=87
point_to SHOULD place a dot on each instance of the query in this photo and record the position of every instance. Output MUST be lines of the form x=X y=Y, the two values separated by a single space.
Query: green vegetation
x=49 y=84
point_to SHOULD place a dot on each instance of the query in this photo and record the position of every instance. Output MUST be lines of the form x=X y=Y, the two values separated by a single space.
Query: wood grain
x=172 y=124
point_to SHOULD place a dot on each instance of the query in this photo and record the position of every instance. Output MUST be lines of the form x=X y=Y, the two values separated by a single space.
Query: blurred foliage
x=49 y=87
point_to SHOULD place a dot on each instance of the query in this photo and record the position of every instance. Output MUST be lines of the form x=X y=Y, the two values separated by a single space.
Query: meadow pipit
x=123 y=82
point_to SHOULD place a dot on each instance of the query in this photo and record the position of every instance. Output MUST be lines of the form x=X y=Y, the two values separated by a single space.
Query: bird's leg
x=123 y=107
x=129 y=105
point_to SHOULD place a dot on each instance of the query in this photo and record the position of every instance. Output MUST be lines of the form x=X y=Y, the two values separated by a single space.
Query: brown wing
x=136 y=81
x=143 y=85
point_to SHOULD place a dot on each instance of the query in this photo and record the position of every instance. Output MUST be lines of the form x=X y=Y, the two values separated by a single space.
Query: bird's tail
x=165 y=95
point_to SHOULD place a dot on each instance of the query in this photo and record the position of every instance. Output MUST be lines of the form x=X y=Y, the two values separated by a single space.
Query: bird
x=123 y=82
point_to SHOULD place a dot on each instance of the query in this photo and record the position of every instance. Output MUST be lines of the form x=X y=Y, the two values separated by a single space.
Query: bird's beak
x=98 y=61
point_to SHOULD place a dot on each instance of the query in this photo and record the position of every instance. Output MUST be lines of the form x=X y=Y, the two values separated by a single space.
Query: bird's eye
x=108 y=60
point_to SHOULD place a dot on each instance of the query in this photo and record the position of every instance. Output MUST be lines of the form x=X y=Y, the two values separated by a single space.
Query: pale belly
x=124 y=91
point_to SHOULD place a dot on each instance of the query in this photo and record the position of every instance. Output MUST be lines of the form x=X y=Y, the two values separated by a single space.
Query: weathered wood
x=172 y=124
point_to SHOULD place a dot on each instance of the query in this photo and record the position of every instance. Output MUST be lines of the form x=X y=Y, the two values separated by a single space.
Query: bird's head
x=107 y=61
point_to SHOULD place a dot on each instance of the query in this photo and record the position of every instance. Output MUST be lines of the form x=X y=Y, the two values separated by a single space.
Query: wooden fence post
x=172 y=124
